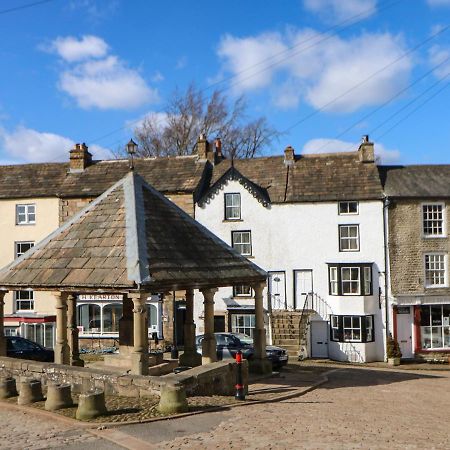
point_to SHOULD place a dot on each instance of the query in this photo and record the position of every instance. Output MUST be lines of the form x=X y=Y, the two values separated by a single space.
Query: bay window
x=350 y=279
x=352 y=328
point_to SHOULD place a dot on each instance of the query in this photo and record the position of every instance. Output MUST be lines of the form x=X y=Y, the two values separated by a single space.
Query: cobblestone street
x=357 y=408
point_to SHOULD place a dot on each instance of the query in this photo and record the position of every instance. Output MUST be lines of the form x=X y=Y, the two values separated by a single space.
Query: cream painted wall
x=288 y=237
x=47 y=220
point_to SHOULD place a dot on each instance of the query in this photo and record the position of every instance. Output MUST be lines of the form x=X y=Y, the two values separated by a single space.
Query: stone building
x=418 y=214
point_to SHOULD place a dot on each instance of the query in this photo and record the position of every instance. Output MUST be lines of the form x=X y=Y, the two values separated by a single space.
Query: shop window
x=88 y=316
x=242 y=242
x=232 y=206
x=243 y=323
x=350 y=279
x=352 y=328
x=41 y=333
x=24 y=300
x=111 y=315
x=348 y=238
x=433 y=219
x=435 y=327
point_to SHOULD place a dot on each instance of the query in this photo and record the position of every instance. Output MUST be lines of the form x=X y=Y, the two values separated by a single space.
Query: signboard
x=100 y=297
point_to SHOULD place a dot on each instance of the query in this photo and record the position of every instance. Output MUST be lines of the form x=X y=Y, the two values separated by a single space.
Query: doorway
x=404 y=331
x=303 y=285
x=277 y=290
x=319 y=339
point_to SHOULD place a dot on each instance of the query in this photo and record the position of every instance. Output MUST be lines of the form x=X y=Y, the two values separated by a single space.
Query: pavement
x=357 y=407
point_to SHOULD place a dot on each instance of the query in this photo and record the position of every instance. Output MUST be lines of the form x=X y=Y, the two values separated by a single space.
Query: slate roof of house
x=312 y=177
x=130 y=236
x=424 y=181
x=174 y=174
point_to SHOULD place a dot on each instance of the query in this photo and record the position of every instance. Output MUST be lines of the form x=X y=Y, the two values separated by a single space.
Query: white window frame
x=335 y=328
x=236 y=292
x=18 y=301
x=239 y=246
x=27 y=213
x=334 y=281
x=351 y=280
x=349 y=238
x=445 y=269
x=248 y=319
x=442 y=220
x=367 y=280
x=352 y=329
x=233 y=206
x=348 y=213
x=17 y=244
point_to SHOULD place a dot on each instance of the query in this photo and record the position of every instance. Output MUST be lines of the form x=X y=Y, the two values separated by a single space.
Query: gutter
x=386 y=204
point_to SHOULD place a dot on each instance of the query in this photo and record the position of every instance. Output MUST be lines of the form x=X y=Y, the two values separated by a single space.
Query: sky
x=323 y=72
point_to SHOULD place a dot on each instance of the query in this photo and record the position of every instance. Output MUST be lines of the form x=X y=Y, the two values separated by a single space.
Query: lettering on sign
x=97 y=297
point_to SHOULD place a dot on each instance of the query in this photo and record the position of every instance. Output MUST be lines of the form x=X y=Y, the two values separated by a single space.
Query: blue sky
x=323 y=71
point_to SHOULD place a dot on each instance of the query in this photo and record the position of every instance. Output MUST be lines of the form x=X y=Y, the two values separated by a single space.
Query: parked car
x=19 y=347
x=227 y=345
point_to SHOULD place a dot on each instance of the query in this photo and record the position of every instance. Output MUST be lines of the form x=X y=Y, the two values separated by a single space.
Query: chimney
x=218 y=155
x=80 y=158
x=289 y=156
x=203 y=150
x=366 y=150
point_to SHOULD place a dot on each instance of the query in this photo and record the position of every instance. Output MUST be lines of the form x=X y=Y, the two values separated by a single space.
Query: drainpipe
x=386 y=204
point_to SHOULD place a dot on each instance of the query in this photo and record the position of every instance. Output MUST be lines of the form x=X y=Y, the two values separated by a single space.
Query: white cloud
x=25 y=145
x=324 y=145
x=96 y=79
x=160 y=119
x=72 y=49
x=334 y=11
x=440 y=56
x=310 y=66
x=434 y=3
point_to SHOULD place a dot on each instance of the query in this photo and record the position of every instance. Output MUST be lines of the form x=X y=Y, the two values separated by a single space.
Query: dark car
x=227 y=345
x=19 y=347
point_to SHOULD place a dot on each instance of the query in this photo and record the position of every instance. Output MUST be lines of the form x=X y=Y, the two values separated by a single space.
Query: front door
x=404 y=331
x=303 y=280
x=319 y=339
x=277 y=290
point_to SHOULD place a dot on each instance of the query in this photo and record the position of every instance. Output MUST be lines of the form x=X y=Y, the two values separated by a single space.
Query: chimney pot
x=289 y=156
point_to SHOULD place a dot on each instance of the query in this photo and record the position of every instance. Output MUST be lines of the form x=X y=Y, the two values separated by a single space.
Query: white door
x=404 y=334
x=303 y=286
x=277 y=290
x=319 y=339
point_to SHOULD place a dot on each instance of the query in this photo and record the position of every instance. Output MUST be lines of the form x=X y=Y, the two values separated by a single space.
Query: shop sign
x=100 y=297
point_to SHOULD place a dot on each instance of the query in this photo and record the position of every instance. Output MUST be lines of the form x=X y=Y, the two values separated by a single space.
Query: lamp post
x=131 y=150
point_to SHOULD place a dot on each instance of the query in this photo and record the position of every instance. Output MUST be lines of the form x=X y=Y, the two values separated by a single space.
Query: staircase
x=289 y=331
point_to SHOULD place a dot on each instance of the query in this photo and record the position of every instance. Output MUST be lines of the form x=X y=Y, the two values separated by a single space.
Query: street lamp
x=131 y=150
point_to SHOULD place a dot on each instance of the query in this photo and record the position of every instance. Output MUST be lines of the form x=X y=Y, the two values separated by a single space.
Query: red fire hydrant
x=240 y=391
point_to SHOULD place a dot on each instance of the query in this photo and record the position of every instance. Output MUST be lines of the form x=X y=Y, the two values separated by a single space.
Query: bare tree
x=188 y=114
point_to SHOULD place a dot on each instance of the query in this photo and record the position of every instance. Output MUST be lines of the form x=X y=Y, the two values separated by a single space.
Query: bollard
x=58 y=396
x=173 y=399
x=240 y=390
x=7 y=387
x=91 y=405
x=30 y=392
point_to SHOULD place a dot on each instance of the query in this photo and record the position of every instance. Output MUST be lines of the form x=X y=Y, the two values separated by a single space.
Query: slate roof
x=424 y=181
x=174 y=174
x=310 y=178
x=128 y=237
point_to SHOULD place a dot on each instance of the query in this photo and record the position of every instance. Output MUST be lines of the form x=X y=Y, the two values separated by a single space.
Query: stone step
x=283 y=342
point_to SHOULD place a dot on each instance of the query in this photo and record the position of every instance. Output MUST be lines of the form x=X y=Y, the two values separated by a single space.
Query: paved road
x=358 y=408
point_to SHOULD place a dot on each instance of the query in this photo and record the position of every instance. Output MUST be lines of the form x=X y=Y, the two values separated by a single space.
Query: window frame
x=366 y=336
x=17 y=244
x=26 y=212
x=363 y=269
x=236 y=294
x=351 y=280
x=226 y=208
x=443 y=225
x=235 y=232
x=348 y=203
x=18 y=301
x=445 y=270
x=348 y=225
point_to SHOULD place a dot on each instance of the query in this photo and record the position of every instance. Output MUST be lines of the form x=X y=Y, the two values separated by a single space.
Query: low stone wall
x=218 y=378
x=213 y=379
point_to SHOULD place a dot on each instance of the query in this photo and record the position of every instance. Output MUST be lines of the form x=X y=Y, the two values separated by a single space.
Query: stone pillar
x=62 y=351
x=209 y=352
x=72 y=331
x=126 y=327
x=2 y=329
x=260 y=364
x=139 y=357
x=190 y=357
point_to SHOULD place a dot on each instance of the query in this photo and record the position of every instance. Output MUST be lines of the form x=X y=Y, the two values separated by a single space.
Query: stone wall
x=407 y=248
x=213 y=379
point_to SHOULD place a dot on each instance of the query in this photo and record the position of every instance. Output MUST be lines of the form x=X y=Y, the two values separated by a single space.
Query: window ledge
x=232 y=220
x=435 y=236
x=25 y=224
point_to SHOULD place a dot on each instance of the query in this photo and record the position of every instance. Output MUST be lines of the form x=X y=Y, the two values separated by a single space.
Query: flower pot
x=394 y=361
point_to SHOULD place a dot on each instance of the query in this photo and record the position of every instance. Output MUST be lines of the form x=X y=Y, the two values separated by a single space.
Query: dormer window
x=232 y=206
